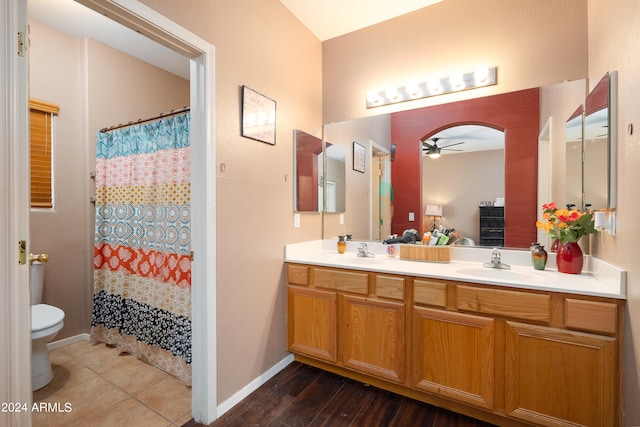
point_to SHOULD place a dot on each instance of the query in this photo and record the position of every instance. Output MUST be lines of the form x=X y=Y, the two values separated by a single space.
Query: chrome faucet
x=363 y=251
x=496 y=262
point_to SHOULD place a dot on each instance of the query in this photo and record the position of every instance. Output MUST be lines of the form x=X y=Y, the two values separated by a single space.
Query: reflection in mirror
x=307 y=190
x=334 y=179
x=573 y=159
x=466 y=151
x=596 y=144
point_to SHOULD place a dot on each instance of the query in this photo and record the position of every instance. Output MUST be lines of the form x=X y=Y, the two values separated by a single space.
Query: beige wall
x=55 y=69
x=613 y=45
x=88 y=80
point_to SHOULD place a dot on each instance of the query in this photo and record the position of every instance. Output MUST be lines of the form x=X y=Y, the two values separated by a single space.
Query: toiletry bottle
x=342 y=245
x=426 y=238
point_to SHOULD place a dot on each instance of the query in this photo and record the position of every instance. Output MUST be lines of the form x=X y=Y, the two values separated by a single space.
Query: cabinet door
x=561 y=378
x=453 y=355
x=312 y=328
x=372 y=334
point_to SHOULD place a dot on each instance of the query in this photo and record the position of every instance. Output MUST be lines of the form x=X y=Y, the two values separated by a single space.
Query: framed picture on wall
x=359 y=157
x=258 y=116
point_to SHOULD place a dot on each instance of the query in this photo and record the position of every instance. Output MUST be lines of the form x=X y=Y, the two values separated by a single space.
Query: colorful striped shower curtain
x=142 y=264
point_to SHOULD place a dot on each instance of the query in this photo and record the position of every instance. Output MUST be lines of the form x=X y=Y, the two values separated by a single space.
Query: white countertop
x=598 y=278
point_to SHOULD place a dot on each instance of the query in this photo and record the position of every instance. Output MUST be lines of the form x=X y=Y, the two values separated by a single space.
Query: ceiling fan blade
x=451 y=149
x=451 y=145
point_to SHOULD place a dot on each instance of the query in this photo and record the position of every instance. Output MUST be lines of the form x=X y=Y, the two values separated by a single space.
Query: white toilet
x=46 y=321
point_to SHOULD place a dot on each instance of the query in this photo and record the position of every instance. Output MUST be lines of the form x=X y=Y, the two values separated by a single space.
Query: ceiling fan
x=433 y=151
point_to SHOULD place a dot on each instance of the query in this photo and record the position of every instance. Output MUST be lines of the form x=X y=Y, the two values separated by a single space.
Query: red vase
x=569 y=258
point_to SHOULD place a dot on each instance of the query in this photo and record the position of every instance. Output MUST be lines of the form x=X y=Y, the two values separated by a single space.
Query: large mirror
x=411 y=186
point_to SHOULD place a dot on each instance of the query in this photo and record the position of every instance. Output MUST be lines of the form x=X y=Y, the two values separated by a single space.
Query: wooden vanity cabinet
x=509 y=356
x=560 y=377
x=372 y=329
x=453 y=355
x=312 y=316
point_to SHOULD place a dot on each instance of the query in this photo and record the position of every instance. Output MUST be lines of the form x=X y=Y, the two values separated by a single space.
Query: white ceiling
x=332 y=18
x=72 y=18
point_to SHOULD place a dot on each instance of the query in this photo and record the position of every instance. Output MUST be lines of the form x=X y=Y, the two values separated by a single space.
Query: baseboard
x=253 y=385
x=69 y=340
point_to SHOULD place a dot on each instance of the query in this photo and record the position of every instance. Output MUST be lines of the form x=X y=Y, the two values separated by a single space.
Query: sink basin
x=498 y=274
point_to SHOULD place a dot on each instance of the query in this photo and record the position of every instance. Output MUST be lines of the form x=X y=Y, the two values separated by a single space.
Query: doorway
x=381 y=192
x=146 y=21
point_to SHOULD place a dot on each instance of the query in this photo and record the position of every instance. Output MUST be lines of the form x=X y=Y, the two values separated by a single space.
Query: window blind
x=41 y=135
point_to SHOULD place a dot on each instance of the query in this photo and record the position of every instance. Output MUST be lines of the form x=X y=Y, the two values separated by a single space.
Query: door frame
x=14 y=221
x=374 y=187
x=15 y=317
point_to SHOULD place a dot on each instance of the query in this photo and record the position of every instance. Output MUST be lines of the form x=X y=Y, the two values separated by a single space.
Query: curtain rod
x=159 y=116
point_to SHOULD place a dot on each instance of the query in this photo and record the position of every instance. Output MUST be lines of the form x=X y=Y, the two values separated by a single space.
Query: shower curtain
x=142 y=263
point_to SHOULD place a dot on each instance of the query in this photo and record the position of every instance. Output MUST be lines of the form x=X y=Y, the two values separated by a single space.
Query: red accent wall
x=515 y=113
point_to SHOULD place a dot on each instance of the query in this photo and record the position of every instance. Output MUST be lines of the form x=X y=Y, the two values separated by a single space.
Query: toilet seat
x=45 y=320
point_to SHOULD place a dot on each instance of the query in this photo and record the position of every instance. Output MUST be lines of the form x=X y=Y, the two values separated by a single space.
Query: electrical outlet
x=412 y=216
x=296 y=220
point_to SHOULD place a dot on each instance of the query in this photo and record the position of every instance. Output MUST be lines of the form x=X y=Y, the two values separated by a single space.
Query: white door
x=15 y=317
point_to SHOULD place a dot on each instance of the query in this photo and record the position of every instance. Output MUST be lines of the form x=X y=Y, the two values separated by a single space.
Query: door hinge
x=22 y=252
x=22 y=47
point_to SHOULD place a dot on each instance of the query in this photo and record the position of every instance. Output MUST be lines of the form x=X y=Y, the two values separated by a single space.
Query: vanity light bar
x=482 y=76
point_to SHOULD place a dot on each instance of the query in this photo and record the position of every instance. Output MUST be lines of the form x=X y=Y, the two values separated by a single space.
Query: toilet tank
x=37 y=282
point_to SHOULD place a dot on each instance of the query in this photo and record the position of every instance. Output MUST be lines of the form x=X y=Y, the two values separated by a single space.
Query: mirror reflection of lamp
x=434 y=211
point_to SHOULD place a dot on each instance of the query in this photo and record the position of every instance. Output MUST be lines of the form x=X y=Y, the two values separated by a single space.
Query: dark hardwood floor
x=301 y=395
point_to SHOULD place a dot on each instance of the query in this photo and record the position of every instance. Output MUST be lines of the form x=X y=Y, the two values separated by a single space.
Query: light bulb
x=434 y=85
x=392 y=93
x=457 y=81
x=481 y=75
x=372 y=96
x=413 y=90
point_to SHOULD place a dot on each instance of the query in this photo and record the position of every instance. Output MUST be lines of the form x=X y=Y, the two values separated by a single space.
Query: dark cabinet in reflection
x=491 y=226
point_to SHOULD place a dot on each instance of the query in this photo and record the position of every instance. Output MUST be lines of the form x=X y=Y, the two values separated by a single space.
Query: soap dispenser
x=342 y=245
x=538 y=256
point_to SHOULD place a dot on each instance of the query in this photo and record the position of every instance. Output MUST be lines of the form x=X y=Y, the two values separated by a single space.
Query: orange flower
x=564 y=224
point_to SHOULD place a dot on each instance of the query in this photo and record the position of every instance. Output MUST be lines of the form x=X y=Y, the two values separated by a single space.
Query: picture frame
x=359 y=157
x=258 y=116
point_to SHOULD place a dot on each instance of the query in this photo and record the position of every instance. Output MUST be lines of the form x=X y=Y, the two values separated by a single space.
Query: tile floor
x=107 y=389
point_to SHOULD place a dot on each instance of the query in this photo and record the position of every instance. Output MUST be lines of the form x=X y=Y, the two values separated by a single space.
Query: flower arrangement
x=564 y=224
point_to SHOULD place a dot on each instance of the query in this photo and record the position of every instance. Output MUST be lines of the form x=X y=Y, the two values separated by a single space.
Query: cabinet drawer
x=390 y=287
x=430 y=293
x=592 y=316
x=298 y=275
x=341 y=280
x=514 y=304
